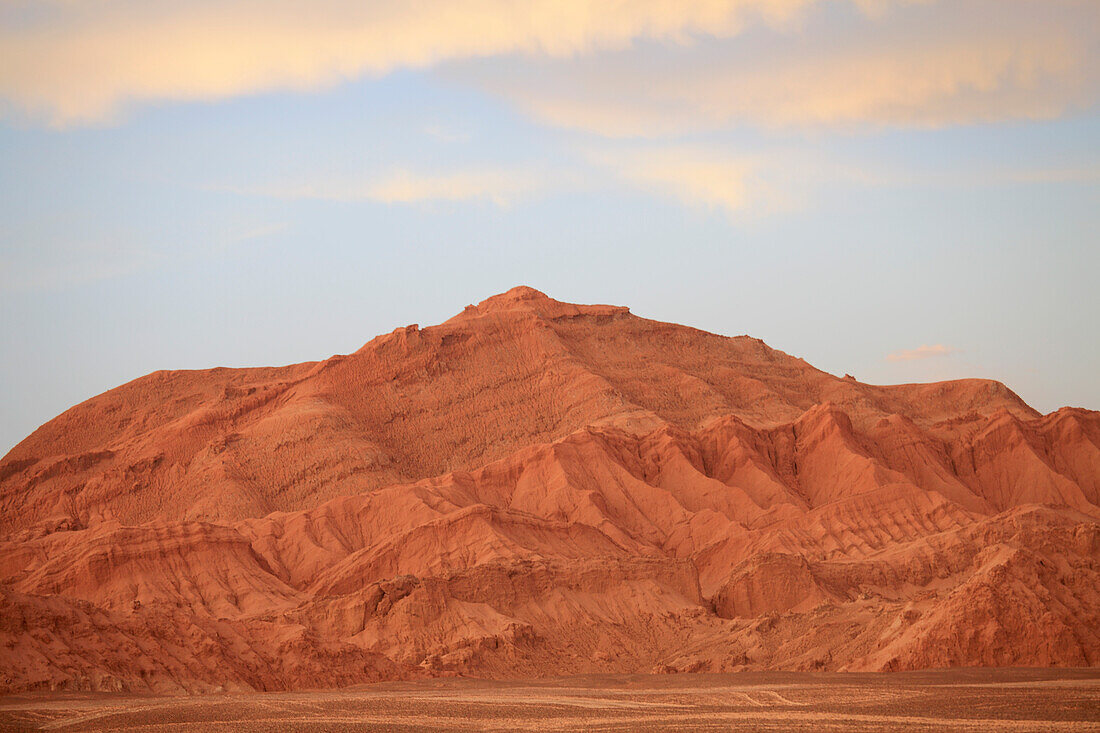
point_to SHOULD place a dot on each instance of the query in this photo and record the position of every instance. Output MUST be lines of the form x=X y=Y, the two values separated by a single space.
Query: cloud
x=765 y=180
x=399 y=186
x=921 y=352
x=699 y=176
x=965 y=83
x=500 y=187
x=710 y=183
x=934 y=66
x=77 y=62
x=635 y=67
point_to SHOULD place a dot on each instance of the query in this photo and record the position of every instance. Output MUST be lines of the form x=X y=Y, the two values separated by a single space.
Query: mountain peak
x=520 y=293
x=518 y=297
x=527 y=299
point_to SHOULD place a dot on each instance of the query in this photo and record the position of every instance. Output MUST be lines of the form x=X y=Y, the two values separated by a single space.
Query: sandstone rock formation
x=537 y=488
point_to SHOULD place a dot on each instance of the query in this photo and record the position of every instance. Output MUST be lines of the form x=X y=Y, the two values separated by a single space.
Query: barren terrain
x=534 y=489
x=968 y=700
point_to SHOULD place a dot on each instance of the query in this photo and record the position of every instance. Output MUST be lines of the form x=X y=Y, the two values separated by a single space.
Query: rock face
x=537 y=488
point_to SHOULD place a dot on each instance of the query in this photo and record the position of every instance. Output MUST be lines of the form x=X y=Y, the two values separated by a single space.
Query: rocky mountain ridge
x=536 y=488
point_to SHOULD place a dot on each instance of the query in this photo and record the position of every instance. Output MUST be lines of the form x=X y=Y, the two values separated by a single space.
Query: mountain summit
x=535 y=487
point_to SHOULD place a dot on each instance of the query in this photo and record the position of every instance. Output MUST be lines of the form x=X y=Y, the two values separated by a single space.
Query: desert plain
x=943 y=700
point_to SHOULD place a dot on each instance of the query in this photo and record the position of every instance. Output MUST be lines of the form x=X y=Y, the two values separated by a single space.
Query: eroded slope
x=538 y=488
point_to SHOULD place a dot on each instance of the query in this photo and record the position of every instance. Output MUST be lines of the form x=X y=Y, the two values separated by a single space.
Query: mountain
x=538 y=488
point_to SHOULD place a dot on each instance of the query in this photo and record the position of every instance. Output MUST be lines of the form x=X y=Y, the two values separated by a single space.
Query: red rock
x=535 y=488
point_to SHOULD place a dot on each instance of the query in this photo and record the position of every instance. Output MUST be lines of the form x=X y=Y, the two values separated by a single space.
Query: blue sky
x=901 y=190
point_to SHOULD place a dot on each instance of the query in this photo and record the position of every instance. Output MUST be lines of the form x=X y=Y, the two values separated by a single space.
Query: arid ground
x=968 y=700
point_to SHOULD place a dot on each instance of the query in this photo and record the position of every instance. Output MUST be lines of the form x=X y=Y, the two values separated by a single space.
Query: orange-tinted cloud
x=921 y=352
x=702 y=177
x=971 y=60
x=75 y=62
x=400 y=186
x=970 y=82
x=1033 y=63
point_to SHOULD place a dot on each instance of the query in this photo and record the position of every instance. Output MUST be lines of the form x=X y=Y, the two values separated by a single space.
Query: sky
x=902 y=190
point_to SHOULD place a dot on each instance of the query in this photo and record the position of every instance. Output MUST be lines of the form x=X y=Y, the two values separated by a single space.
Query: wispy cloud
x=782 y=179
x=72 y=62
x=945 y=62
x=699 y=176
x=897 y=76
x=922 y=352
x=501 y=187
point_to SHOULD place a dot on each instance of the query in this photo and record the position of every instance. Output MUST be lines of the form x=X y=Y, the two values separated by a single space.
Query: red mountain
x=538 y=488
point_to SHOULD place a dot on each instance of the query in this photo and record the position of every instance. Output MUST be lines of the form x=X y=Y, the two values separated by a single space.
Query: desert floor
x=968 y=700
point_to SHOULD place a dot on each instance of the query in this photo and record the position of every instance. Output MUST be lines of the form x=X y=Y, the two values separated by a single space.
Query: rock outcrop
x=536 y=488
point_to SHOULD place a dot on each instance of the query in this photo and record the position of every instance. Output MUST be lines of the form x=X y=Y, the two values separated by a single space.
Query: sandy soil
x=956 y=700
